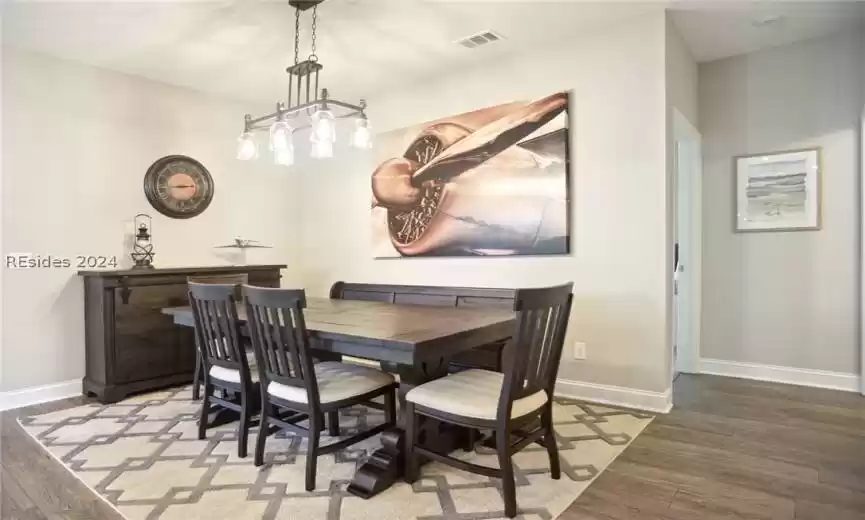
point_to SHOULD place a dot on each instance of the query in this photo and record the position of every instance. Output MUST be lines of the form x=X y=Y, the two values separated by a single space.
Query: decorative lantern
x=142 y=250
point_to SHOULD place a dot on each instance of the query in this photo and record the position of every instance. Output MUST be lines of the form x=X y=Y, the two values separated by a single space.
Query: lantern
x=142 y=250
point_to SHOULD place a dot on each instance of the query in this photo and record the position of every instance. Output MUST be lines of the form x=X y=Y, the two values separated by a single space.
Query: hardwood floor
x=34 y=485
x=730 y=448
x=733 y=448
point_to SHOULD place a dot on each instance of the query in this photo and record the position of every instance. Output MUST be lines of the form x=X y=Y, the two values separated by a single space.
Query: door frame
x=685 y=134
x=862 y=253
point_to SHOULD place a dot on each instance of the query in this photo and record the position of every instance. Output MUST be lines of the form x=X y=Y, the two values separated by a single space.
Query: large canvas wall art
x=490 y=182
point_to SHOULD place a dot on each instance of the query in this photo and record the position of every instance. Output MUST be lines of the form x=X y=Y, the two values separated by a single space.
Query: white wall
x=619 y=197
x=77 y=141
x=788 y=299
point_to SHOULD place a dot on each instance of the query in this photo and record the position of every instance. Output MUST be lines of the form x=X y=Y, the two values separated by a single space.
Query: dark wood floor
x=729 y=449
x=733 y=448
x=34 y=485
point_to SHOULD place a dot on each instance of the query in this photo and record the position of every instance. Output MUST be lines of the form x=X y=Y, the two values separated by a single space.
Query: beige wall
x=619 y=198
x=788 y=299
x=682 y=75
x=76 y=143
x=682 y=93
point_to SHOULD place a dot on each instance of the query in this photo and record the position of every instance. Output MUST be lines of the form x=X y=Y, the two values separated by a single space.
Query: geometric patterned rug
x=142 y=455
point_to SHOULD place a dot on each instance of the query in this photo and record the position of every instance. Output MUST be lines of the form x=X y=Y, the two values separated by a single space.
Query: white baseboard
x=777 y=374
x=39 y=394
x=659 y=402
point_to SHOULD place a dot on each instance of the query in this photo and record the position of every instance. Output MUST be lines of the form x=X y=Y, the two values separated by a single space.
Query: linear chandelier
x=320 y=114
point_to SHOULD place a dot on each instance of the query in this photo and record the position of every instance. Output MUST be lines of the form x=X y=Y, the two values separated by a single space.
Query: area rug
x=142 y=455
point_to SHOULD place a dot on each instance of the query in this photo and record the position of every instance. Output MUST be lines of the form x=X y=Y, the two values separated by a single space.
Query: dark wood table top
x=414 y=329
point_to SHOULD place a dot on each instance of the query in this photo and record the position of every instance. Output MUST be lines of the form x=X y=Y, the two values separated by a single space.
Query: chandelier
x=319 y=114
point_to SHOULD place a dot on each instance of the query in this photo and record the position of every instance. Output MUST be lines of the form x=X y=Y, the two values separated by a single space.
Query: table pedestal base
x=385 y=466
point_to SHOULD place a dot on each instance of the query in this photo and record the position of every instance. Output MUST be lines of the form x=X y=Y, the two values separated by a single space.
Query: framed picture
x=492 y=182
x=778 y=191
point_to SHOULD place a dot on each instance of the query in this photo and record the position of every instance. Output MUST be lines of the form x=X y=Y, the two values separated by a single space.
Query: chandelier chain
x=313 y=56
x=296 y=34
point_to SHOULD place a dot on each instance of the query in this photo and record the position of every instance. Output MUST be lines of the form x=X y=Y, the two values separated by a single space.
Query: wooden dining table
x=418 y=340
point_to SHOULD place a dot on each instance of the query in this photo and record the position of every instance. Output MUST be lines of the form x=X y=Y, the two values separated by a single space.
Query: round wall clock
x=178 y=186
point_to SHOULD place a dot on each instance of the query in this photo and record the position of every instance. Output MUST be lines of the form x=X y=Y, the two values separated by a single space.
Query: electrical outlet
x=579 y=350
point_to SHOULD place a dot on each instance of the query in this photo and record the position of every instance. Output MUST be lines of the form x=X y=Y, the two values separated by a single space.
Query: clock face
x=178 y=186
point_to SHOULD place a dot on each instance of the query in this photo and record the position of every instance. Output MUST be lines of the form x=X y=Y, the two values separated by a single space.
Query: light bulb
x=322 y=149
x=362 y=137
x=280 y=135
x=284 y=157
x=246 y=147
x=323 y=126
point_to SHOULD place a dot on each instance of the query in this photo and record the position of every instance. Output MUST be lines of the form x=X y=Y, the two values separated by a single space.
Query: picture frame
x=778 y=191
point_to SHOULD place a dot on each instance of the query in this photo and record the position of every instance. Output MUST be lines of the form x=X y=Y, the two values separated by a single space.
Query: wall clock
x=178 y=186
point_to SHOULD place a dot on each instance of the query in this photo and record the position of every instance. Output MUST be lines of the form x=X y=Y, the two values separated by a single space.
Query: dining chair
x=225 y=279
x=225 y=363
x=290 y=380
x=517 y=402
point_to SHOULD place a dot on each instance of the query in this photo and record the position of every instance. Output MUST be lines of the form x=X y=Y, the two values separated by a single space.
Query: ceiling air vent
x=481 y=38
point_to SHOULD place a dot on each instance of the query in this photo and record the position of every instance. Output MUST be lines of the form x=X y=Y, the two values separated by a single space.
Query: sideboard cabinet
x=130 y=346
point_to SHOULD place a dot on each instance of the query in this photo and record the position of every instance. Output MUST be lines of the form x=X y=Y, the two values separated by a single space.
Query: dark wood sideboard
x=130 y=345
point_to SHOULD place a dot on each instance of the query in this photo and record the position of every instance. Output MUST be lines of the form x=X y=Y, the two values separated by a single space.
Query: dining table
x=415 y=341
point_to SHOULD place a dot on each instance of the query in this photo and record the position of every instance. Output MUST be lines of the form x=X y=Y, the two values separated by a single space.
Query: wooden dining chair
x=225 y=279
x=291 y=381
x=225 y=363
x=516 y=403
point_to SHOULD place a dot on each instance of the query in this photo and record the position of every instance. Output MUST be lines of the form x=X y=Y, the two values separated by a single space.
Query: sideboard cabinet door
x=147 y=343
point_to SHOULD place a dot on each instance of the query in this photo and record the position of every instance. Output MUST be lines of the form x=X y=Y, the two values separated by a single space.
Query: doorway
x=688 y=246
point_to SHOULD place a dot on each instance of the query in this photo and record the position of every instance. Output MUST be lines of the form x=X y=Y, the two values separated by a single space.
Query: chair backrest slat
x=217 y=330
x=279 y=337
x=235 y=279
x=532 y=356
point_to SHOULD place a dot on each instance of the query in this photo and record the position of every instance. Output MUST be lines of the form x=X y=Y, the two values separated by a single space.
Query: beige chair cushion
x=471 y=393
x=336 y=381
x=233 y=376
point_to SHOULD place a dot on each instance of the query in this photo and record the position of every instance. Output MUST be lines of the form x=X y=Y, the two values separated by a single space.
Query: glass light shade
x=284 y=157
x=280 y=136
x=246 y=147
x=323 y=126
x=362 y=137
x=322 y=149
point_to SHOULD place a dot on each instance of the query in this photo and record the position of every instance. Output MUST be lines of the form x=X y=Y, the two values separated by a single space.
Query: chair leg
x=333 y=423
x=410 y=474
x=390 y=408
x=258 y=458
x=205 y=409
x=471 y=439
x=196 y=377
x=550 y=443
x=243 y=427
x=507 y=468
x=313 y=434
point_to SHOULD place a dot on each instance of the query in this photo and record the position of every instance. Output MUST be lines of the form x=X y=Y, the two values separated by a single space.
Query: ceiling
x=719 y=29
x=239 y=48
